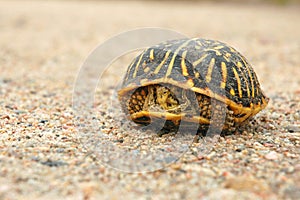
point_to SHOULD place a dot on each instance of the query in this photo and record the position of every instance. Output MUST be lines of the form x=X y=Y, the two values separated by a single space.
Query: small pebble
x=272 y=155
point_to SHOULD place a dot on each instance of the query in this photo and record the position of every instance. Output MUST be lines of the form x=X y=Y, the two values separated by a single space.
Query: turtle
x=202 y=82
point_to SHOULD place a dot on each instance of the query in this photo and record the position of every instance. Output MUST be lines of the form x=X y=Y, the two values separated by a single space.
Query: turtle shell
x=206 y=67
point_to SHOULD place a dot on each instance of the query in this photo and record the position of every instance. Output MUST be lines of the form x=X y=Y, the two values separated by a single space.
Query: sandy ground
x=46 y=154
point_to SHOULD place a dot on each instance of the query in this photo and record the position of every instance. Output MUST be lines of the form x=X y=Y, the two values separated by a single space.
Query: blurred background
x=282 y=2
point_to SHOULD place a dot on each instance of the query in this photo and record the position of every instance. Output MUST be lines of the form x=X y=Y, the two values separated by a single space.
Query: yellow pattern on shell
x=157 y=69
x=170 y=67
x=137 y=65
x=210 y=69
x=238 y=82
x=183 y=65
x=224 y=75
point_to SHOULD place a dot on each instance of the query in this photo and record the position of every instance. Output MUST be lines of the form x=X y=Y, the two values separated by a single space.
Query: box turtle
x=161 y=82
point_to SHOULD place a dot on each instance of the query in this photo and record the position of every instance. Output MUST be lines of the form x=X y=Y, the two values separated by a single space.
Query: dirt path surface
x=42 y=156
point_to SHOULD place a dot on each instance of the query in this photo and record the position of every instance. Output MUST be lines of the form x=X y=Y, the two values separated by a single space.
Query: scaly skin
x=171 y=99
